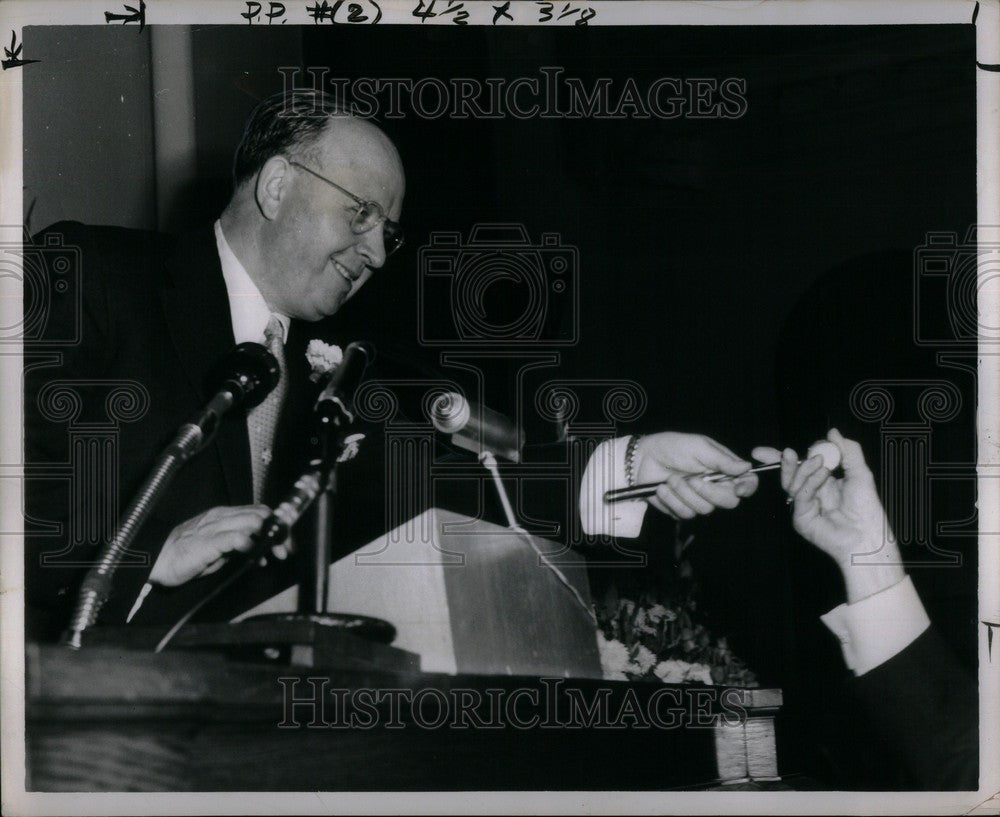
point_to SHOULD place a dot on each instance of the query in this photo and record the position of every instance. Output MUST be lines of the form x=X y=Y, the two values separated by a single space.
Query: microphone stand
x=328 y=444
x=97 y=584
x=312 y=488
x=313 y=633
x=252 y=373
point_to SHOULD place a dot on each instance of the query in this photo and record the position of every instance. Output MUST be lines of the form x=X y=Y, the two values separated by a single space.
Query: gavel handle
x=649 y=488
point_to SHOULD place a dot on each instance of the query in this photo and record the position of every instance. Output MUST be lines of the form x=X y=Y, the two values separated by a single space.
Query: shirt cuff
x=604 y=472
x=875 y=629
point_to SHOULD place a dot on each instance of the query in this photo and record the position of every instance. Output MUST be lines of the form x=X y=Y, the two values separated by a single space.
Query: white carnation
x=323 y=358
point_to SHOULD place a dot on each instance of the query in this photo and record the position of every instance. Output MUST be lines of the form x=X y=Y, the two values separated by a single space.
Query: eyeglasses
x=367 y=215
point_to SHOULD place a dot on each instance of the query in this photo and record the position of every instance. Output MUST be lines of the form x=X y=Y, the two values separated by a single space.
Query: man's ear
x=272 y=186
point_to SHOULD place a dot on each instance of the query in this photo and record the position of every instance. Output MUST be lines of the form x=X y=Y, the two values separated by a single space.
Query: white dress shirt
x=873 y=630
x=247 y=307
x=605 y=471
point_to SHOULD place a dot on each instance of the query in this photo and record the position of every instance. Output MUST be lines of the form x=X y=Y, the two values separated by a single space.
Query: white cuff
x=606 y=471
x=875 y=629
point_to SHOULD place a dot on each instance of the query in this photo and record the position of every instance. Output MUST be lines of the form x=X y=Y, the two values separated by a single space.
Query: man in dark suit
x=318 y=194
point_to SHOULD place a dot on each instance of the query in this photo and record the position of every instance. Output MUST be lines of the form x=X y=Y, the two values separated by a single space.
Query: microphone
x=334 y=408
x=248 y=373
x=336 y=403
x=476 y=428
x=275 y=529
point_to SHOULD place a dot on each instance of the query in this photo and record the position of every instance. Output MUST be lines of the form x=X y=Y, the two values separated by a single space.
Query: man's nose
x=372 y=246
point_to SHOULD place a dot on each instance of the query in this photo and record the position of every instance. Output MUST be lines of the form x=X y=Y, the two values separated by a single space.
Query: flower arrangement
x=323 y=358
x=656 y=636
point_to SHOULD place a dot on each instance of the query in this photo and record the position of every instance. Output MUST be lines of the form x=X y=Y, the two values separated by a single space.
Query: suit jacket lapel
x=196 y=307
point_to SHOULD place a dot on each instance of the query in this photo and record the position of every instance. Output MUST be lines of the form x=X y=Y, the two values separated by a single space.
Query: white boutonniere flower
x=323 y=358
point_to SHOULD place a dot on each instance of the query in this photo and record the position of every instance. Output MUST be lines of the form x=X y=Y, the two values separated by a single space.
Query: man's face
x=314 y=260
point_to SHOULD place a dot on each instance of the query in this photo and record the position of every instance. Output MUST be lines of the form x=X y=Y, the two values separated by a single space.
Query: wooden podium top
x=113 y=719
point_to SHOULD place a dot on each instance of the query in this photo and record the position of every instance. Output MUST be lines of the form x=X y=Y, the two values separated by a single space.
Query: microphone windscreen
x=450 y=413
x=476 y=428
x=252 y=372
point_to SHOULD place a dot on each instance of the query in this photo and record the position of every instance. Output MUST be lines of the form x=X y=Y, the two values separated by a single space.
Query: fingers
x=766 y=455
x=722 y=449
x=714 y=456
x=686 y=497
x=219 y=546
x=852 y=457
x=808 y=483
x=805 y=470
x=235 y=541
x=829 y=496
x=789 y=464
x=723 y=494
x=809 y=486
x=745 y=485
x=199 y=545
x=669 y=493
x=694 y=497
x=241 y=520
x=218 y=563
x=657 y=503
x=727 y=463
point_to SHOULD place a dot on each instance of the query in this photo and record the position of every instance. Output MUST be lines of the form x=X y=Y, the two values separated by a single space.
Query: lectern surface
x=109 y=719
x=469 y=596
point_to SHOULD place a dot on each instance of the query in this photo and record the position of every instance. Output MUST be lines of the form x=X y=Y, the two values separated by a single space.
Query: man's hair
x=289 y=122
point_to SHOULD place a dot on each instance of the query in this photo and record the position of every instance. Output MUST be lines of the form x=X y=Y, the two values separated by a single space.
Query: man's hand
x=842 y=517
x=678 y=460
x=201 y=545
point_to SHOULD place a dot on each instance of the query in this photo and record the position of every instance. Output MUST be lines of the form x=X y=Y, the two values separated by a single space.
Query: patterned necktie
x=263 y=418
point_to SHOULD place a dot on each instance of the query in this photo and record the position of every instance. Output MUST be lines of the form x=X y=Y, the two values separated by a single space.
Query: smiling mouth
x=344 y=272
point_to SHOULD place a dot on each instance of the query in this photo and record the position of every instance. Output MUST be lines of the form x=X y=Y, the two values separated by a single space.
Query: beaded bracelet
x=630 y=459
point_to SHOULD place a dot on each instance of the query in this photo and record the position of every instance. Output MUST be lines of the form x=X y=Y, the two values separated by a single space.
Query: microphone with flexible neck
x=249 y=373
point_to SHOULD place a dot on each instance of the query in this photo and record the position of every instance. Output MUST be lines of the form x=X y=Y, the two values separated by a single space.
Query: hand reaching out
x=842 y=517
x=677 y=460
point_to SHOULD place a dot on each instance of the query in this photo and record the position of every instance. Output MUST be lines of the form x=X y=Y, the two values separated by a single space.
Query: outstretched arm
x=677 y=460
x=915 y=692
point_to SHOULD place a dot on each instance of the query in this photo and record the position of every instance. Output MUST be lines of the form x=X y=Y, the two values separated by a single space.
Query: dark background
x=747 y=273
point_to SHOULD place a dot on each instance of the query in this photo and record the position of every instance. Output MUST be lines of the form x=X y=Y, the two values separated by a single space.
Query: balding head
x=294 y=123
x=293 y=222
x=349 y=146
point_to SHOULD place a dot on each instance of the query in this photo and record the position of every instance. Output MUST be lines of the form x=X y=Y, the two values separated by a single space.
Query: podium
x=469 y=596
x=507 y=693
x=106 y=719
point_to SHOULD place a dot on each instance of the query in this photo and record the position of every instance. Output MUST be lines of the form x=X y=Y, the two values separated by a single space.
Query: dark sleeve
x=926 y=705
x=67 y=337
